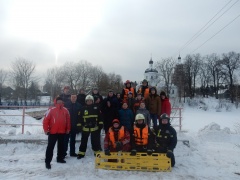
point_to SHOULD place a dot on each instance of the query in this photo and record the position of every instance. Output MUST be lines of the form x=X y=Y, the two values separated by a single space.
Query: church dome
x=151 y=69
x=151 y=61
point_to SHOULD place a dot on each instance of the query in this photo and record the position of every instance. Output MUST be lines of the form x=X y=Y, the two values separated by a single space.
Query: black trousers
x=72 y=137
x=95 y=141
x=52 y=139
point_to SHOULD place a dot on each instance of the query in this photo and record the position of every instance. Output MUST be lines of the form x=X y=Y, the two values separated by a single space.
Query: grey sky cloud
x=120 y=36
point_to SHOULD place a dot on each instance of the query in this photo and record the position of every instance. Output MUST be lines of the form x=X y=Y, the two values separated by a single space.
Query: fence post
x=23 y=119
x=180 y=118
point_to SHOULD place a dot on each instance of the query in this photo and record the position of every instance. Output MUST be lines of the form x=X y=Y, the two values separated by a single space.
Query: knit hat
x=115 y=121
x=58 y=98
x=162 y=93
x=144 y=81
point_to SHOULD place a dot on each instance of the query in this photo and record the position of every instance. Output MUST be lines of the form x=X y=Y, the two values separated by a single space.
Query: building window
x=146 y=77
x=172 y=91
x=151 y=77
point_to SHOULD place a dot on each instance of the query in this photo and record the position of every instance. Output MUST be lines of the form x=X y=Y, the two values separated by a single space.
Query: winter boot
x=80 y=156
x=73 y=155
x=61 y=161
x=48 y=165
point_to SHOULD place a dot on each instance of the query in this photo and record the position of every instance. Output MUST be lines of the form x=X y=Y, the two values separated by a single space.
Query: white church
x=152 y=76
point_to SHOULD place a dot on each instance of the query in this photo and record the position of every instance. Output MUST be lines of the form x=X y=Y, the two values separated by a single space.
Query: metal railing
x=176 y=113
x=23 y=114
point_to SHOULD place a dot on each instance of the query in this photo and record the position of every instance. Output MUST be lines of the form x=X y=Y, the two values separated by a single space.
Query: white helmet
x=139 y=117
x=89 y=97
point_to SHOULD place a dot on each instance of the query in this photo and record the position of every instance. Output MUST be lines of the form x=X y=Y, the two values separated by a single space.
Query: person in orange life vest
x=142 y=110
x=56 y=124
x=128 y=87
x=166 y=105
x=130 y=100
x=144 y=89
x=117 y=138
x=142 y=138
x=137 y=102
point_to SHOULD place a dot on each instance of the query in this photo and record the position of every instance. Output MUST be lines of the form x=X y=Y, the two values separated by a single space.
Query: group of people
x=125 y=117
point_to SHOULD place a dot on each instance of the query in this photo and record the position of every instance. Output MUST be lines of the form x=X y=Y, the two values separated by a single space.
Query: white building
x=151 y=75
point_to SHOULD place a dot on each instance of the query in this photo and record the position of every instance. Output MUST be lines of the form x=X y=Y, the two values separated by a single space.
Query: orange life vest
x=146 y=92
x=112 y=138
x=141 y=140
x=126 y=93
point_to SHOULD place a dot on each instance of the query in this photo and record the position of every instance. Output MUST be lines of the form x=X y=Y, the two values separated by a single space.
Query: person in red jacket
x=166 y=105
x=56 y=124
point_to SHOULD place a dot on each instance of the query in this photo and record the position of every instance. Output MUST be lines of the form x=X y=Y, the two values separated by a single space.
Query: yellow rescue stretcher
x=141 y=162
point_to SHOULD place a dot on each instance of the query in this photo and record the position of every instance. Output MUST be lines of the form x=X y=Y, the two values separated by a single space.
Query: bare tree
x=22 y=76
x=197 y=63
x=83 y=70
x=205 y=78
x=96 y=76
x=115 y=82
x=215 y=69
x=71 y=76
x=230 y=63
x=166 y=69
x=55 y=78
x=3 y=76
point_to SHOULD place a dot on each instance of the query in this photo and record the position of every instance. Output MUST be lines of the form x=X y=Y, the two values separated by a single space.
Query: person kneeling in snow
x=117 y=138
x=142 y=139
x=166 y=138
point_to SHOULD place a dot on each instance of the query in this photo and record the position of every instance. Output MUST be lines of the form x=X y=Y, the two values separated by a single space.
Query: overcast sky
x=118 y=35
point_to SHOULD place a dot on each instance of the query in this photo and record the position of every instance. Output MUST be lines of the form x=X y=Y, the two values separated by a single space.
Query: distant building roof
x=151 y=70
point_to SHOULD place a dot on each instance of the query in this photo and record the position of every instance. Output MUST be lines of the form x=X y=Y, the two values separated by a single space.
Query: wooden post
x=23 y=119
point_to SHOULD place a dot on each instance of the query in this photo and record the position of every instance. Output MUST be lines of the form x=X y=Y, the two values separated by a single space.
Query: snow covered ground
x=214 y=137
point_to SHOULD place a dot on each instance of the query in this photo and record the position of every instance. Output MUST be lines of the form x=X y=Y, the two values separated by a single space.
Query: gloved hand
x=107 y=152
x=133 y=152
x=47 y=132
x=149 y=152
x=119 y=146
x=169 y=154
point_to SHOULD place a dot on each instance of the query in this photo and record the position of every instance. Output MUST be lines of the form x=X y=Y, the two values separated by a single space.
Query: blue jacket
x=74 y=111
x=126 y=118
